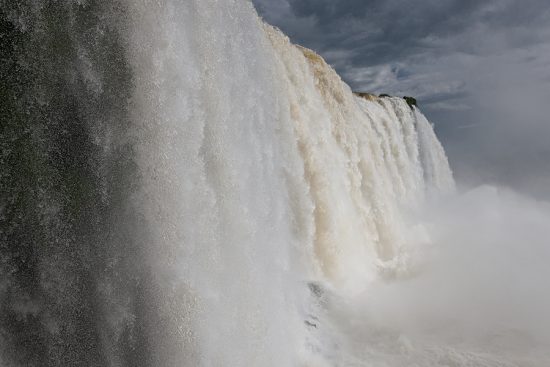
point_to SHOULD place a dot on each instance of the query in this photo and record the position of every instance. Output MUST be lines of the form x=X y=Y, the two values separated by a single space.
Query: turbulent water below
x=182 y=186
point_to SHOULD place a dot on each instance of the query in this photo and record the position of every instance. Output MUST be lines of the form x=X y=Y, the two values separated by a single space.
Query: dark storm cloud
x=480 y=70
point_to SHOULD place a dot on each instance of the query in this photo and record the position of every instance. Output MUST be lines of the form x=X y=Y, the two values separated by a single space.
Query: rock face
x=410 y=101
x=368 y=96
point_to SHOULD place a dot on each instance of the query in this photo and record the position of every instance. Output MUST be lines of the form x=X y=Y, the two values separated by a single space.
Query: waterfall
x=182 y=186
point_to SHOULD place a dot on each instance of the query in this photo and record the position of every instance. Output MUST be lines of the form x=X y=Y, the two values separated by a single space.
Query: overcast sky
x=479 y=68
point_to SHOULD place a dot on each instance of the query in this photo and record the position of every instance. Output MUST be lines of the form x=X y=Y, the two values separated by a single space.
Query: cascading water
x=182 y=186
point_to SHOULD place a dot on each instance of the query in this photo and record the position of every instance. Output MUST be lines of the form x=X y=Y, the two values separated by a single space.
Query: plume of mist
x=478 y=294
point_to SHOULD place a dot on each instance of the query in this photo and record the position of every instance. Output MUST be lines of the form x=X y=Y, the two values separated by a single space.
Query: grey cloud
x=405 y=32
x=480 y=70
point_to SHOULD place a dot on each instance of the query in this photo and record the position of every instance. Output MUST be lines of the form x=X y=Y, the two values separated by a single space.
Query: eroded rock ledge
x=411 y=101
